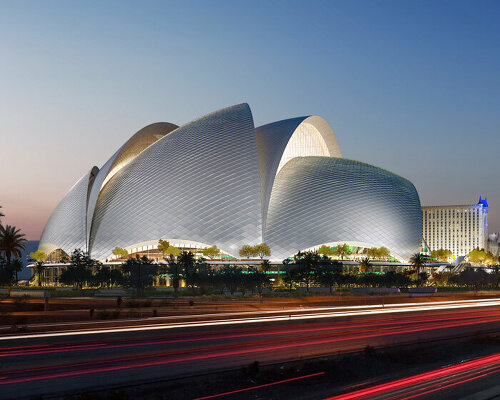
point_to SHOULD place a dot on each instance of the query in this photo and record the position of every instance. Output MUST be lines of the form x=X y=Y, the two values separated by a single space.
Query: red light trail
x=47 y=349
x=232 y=392
x=412 y=387
x=246 y=349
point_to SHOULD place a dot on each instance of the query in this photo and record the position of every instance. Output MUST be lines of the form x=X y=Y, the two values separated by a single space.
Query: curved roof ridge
x=272 y=142
x=134 y=146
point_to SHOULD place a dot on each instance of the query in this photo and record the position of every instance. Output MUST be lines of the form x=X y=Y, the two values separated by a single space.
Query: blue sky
x=411 y=86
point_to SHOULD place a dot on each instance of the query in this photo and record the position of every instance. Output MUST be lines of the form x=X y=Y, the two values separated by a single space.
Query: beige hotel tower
x=457 y=228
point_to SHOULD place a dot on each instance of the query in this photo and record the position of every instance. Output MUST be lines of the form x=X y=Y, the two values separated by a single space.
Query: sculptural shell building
x=220 y=181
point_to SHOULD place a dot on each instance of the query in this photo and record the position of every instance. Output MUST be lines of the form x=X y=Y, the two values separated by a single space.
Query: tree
x=120 y=253
x=166 y=249
x=39 y=257
x=291 y=273
x=441 y=254
x=163 y=245
x=329 y=273
x=325 y=250
x=17 y=266
x=307 y=264
x=203 y=275
x=79 y=271
x=116 y=277
x=418 y=261
x=11 y=242
x=108 y=276
x=1 y=213
x=247 y=251
x=6 y=272
x=265 y=266
x=188 y=267
x=262 y=250
x=139 y=273
x=477 y=256
x=441 y=278
x=475 y=279
x=372 y=253
x=211 y=252
x=365 y=265
x=174 y=270
x=102 y=277
x=383 y=253
x=209 y=277
x=257 y=279
x=232 y=276
x=491 y=259
x=341 y=250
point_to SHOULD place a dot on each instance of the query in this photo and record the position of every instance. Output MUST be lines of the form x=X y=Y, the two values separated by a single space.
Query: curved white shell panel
x=319 y=200
x=282 y=141
x=201 y=182
x=66 y=227
x=126 y=153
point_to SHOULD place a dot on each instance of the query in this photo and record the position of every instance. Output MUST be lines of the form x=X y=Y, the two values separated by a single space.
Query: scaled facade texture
x=220 y=181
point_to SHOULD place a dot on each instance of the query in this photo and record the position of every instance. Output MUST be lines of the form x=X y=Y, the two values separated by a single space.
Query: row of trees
x=476 y=256
x=307 y=268
x=304 y=269
x=142 y=272
x=441 y=254
x=260 y=250
x=167 y=249
x=342 y=250
x=480 y=256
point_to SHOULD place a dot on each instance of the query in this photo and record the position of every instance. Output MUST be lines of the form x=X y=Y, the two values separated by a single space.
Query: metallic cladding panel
x=126 y=153
x=272 y=140
x=201 y=182
x=66 y=227
x=317 y=200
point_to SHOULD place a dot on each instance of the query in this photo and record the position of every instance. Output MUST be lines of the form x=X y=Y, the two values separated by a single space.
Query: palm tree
x=39 y=256
x=39 y=268
x=11 y=241
x=341 y=250
x=17 y=266
x=1 y=213
x=265 y=266
x=365 y=265
x=418 y=261
x=188 y=266
x=174 y=269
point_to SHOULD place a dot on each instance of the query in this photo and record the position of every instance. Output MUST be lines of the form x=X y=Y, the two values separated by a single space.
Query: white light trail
x=289 y=316
x=245 y=313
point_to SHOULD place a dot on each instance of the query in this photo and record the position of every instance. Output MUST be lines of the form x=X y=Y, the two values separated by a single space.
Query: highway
x=67 y=359
x=479 y=378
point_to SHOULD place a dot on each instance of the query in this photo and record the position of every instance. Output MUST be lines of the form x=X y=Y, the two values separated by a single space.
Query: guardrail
x=375 y=290
x=37 y=294
x=114 y=292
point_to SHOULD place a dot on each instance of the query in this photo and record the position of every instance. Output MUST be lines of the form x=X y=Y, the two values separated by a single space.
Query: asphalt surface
x=71 y=359
x=473 y=379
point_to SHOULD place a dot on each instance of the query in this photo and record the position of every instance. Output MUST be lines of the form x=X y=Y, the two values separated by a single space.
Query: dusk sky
x=410 y=86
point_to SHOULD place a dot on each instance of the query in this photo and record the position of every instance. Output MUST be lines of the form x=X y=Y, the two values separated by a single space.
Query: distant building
x=459 y=229
x=494 y=243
